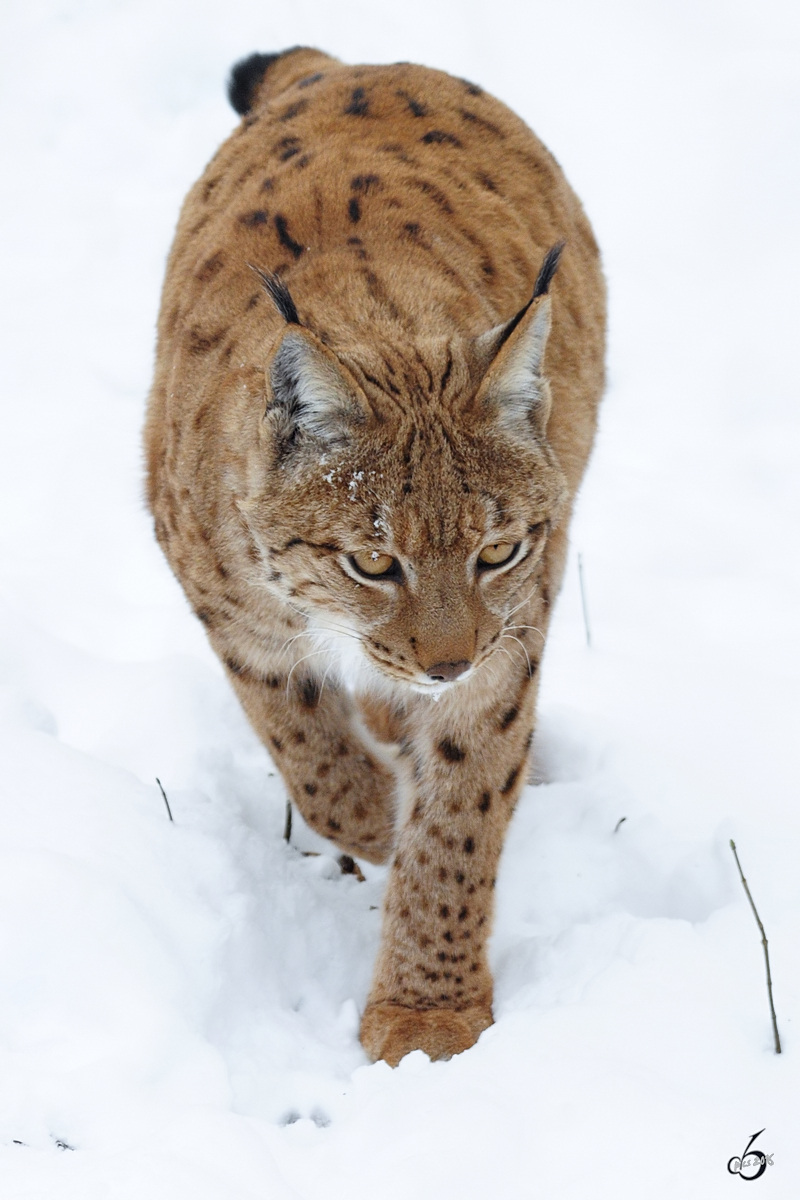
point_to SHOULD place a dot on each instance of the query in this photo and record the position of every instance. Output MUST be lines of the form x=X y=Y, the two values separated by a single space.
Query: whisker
x=522 y=602
x=527 y=656
x=297 y=664
x=324 y=677
x=533 y=627
x=288 y=642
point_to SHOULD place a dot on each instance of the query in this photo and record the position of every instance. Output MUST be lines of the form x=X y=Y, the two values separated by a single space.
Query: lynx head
x=407 y=497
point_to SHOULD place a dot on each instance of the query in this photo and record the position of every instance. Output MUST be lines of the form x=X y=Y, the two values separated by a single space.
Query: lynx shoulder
x=380 y=356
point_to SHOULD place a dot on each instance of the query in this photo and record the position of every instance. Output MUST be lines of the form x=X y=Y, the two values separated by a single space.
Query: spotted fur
x=364 y=347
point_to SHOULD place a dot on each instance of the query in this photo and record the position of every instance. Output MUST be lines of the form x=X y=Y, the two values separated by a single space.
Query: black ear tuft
x=548 y=270
x=245 y=77
x=279 y=294
x=543 y=280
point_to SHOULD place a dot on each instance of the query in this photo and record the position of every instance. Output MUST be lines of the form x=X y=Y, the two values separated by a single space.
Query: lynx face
x=415 y=537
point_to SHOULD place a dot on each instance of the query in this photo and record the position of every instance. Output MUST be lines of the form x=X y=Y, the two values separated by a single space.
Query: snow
x=180 y=1001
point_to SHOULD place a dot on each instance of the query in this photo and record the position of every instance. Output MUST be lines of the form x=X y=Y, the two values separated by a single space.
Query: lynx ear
x=515 y=386
x=312 y=393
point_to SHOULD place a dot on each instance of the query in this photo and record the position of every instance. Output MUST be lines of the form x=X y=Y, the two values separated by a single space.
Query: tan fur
x=409 y=214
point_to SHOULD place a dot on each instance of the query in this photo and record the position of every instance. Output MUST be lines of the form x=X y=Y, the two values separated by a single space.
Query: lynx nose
x=447 y=672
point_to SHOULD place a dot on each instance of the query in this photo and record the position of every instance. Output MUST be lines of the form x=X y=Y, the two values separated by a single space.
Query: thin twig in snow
x=766 y=951
x=583 y=602
x=287 y=827
x=166 y=801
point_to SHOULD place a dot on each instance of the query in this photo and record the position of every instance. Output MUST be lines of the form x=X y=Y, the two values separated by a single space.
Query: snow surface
x=179 y=1001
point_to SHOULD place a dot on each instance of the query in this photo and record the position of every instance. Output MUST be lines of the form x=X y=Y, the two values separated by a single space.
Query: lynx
x=380 y=356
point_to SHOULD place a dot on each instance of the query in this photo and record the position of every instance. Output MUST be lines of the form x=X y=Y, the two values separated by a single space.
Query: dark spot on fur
x=309 y=693
x=476 y=120
x=287 y=147
x=510 y=781
x=311 y=788
x=354 y=210
x=444 y=912
x=211 y=267
x=251 y=219
x=309 y=79
x=273 y=681
x=200 y=343
x=253 y=301
x=438 y=137
x=285 y=237
x=365 y=183
x=233 y=666
x=412 y=228
x=469 y=845
x=299 y=738
x=448 y=937
x=359 y=105
x=277 y=743
x=436 y=194
x=334 y=825
x=293 y=110
x=509 y=718
x=451 y=751
x=485 y=802
x=463 y=913
x=268 y=185
x=460 y=877
x=418 y=109
x=472 y=88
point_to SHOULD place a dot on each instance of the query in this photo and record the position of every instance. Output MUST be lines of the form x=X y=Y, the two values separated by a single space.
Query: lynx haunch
x=375 y=395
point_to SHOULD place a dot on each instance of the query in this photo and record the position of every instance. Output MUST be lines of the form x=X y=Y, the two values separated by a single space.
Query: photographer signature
x=752 y=1164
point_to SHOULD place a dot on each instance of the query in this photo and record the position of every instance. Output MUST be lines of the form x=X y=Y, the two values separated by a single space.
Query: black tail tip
x=245 y=77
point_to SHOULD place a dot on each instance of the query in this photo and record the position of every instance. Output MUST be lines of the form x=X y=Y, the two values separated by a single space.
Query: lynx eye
x=497 y=554
x=373 y=563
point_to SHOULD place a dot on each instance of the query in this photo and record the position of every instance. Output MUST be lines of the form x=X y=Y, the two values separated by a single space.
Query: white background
x=179 y=1002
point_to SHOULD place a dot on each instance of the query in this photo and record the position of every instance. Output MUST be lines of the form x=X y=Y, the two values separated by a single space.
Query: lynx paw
x=390 y=1031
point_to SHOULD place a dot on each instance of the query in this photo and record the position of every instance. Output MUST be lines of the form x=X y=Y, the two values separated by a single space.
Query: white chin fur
x=354 y=669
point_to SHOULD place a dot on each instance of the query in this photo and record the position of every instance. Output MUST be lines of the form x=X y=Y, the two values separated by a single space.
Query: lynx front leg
x=343 y=792
x=432 y=988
